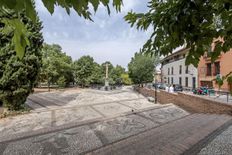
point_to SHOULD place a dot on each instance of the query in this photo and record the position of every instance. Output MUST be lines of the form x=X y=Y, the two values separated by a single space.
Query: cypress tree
x=18 y=76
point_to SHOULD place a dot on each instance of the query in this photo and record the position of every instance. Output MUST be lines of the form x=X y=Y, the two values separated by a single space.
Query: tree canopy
x=141 y=68
x=83 y=70
x=56 y=67
x=194 y=24
x=87 y=72
x=20 y=40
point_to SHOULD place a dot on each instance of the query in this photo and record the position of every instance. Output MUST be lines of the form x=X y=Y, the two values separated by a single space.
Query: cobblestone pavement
x=221 y=145
x=68 y=107
x=98 y=122
x=84 y=138
x=165 y=130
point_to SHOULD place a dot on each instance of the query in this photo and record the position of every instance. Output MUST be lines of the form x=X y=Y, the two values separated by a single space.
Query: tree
x=191 y=23
x=83 y=70
x=141 y=68
x=18 y=76
x=116 y=73
x=229 y=80
x=97 y=76
x=220 y=80
x=57 y=66
x=21 y=40
x=126 y=79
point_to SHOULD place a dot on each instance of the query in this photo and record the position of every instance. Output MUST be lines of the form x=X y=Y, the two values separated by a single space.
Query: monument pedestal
x=106 y=87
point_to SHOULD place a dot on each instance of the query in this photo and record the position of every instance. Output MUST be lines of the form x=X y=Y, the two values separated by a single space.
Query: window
x=168 y=80
x=208 y=70
x=217 y=68
x=180 y=70
x=168 y=71
x=187 y=70
x=172 y=70
x=172 y=80
x=180 y=80
x=186 y=81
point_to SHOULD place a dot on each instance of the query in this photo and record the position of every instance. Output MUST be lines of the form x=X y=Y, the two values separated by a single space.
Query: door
x=194 y=82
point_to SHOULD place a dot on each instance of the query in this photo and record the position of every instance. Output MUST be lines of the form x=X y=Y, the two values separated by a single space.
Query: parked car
x=177 y=87
x=163 y=86
x=156 y=85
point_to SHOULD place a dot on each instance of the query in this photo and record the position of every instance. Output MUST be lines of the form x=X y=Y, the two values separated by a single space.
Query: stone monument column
x=107 y=77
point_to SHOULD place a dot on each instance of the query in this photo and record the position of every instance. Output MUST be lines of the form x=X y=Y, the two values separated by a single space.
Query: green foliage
x=194 y=24
x=83 y=70
x=97 y=76
x=56 y=65
x=87 y=72
x=220 y=80
x=126 y=79
x=61 y=82
x=110 y=67
x=18 y=76
x=116 y=73
x=20 y=38
x=229 y=80
x=141 y=68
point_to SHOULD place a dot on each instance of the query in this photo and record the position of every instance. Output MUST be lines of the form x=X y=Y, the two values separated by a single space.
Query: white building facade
x=174 y=70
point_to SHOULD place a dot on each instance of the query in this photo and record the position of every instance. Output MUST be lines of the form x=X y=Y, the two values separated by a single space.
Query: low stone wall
x=188 y=102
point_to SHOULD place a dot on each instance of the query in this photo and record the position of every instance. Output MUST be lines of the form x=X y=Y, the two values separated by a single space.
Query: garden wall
x=188 y=102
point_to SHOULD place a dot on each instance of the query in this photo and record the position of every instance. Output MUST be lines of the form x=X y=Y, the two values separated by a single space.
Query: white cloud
x=40 y=7
x=128 y=5
x=107 y=38
x=118 y=52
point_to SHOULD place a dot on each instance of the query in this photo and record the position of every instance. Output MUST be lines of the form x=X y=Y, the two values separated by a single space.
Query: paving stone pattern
x=87 y=137
x=65 y=107
x=173 y=138
x=114 y=122
x=221 y=145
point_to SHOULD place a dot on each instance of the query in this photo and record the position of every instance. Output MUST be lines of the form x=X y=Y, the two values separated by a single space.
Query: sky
x=108 y=38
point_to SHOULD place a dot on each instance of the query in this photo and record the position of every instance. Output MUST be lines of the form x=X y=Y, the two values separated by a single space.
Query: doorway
x=194 y=83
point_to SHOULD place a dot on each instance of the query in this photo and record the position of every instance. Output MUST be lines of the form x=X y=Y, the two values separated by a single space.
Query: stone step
x=175 y=137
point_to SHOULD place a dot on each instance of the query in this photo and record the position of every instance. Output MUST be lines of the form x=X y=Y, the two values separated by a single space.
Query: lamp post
x=155 y=94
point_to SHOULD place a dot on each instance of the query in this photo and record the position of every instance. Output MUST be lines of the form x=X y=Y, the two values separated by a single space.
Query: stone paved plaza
x=100 y=122
x=67 y=107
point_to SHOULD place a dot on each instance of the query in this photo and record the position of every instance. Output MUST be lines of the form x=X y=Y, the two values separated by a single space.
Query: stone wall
x=188 y=102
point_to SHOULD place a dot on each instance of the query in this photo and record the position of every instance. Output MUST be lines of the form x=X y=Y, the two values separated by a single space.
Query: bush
x=126 y=79
x=18 y=76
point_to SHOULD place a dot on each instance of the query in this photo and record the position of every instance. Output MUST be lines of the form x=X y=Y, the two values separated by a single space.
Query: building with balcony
x=207 y=71
x=174 y=70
